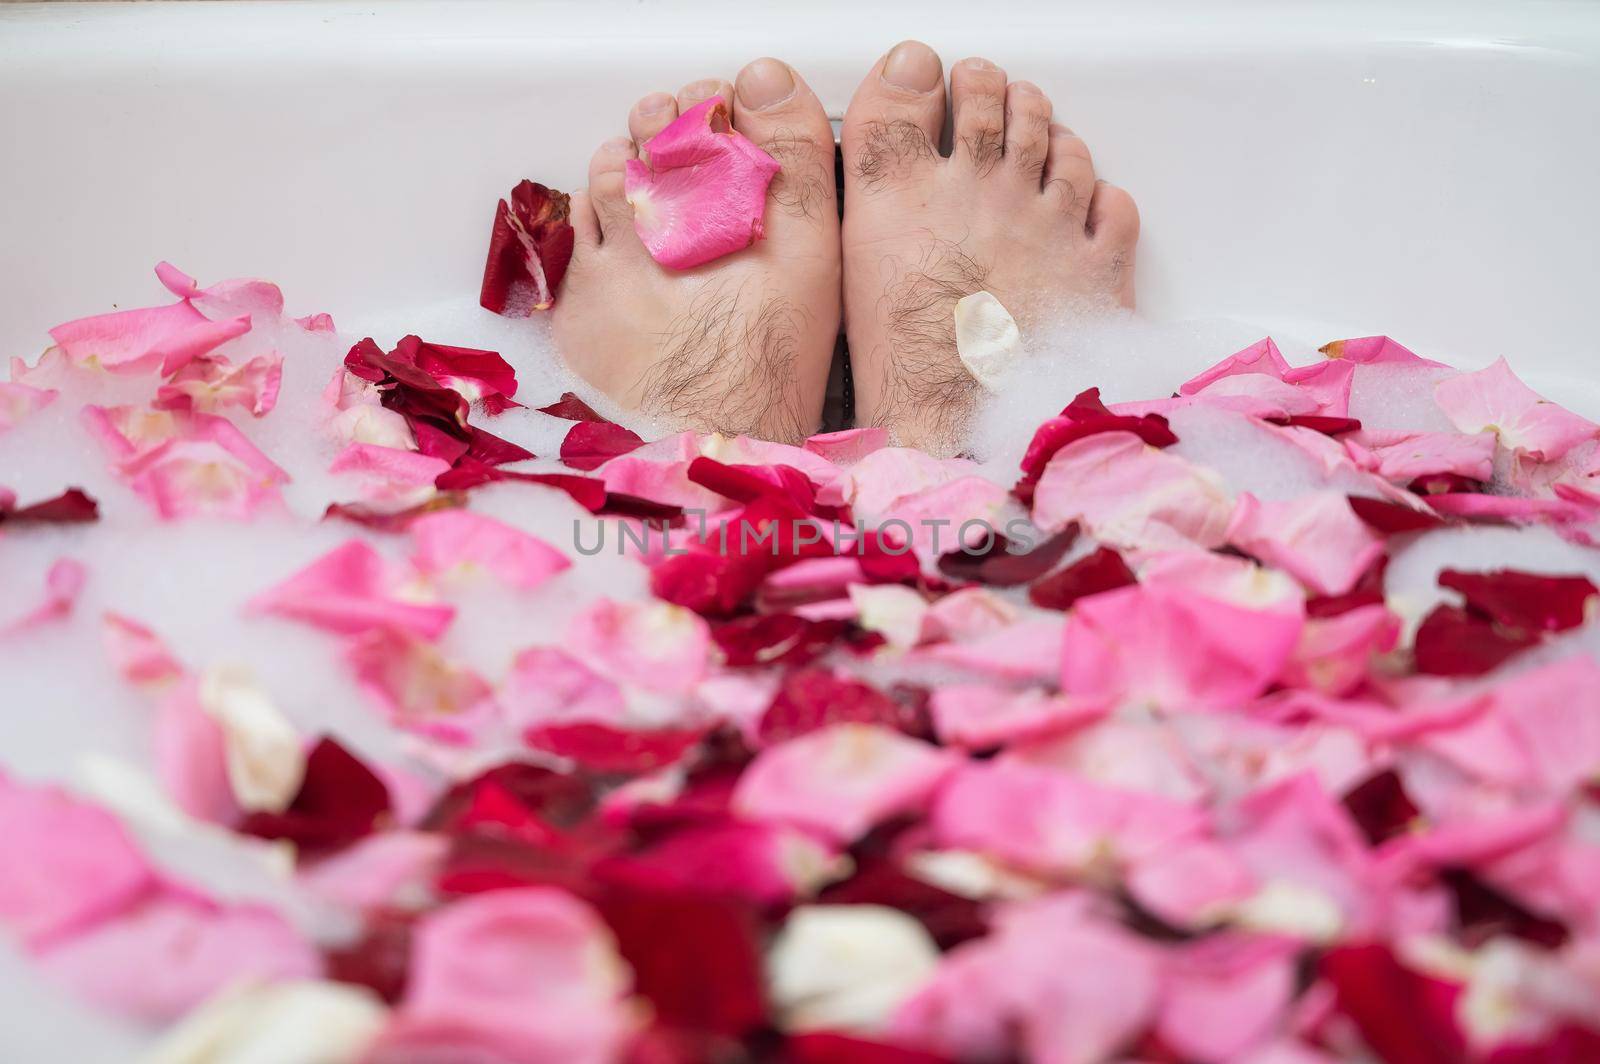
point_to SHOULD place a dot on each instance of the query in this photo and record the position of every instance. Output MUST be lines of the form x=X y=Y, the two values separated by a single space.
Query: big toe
x=896 y=118
x=776 y=109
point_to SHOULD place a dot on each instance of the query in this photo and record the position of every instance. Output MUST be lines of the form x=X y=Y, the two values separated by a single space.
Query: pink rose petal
x=701 y=189
x=350 y=590
x=451 y=540
x=1495 y=399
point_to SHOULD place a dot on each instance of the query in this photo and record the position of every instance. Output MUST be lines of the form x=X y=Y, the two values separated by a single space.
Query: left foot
x=739 y=345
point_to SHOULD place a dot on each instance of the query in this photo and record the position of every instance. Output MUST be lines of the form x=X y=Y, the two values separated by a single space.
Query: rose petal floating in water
x=529 y=249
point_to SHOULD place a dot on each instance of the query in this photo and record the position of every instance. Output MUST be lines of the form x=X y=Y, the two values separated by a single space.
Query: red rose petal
x=1368 y=591
x=1482 y=912
x=696 y=960
x=590 y=444
x=1086 y=415
x=951 y=919
x=1392 y=518
x=1527 y=601
x=1405 y=1018
x=775 y=639
x=70 y=507
x=1455 y=642
x=815 y=698
x=587 y=492
x=530 y=247
x=604 y=749
x=572 y=408
x=392 y=520
x=1380 y=806
x=1104 y=570
x=340 y=800
x=1328 y=426
x=999 y=567
x=492 y=375
x=379 y=959
x=826 y=1047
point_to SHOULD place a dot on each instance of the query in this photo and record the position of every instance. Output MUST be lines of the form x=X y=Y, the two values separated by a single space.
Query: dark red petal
x=1405 y=1018
x=392 y=520
x=999 y=567
x=572 y=408
x=1104 y=570
x=562 y=799
x=708 y=582
x=1368 y=591
x=951 y=919
x=380 y=959
x=592 y=443
x=439 y=360
x=490 y=449
x=340 y=800
x=1569 y=1044
x=1391 y=517
x=530 y=248
x=1328 y=426
x=585 y=491
x=607 y=750
x=620 y=504
x=1482 y=912
x=1085 y=405
x=825 y=1047
x=1529 y=601
x=747 y=484
x=70 y=507
x=1455 y=642
x=696 y=960
x=1381 y=807
x=815 y=698
x=776 y=639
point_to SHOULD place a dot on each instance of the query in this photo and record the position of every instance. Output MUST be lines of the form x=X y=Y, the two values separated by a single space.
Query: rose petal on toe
x=702 y=192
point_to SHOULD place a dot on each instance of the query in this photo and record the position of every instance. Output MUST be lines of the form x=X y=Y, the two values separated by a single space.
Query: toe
x=1069 y=172
x=978 y=108
x=1113 y=217
x=1114 y=232
x=606 y=177
x=585 y=224
x=895 y=119
x=1028 y=113
x=700 y=91
x=650 y=116
x=776 y=109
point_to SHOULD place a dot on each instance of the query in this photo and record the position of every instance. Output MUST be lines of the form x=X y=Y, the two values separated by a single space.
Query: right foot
x=1015 y=210
x=739 y=345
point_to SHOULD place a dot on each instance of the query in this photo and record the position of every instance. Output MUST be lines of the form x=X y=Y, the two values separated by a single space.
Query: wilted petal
x=701 y=190
x=529 y=249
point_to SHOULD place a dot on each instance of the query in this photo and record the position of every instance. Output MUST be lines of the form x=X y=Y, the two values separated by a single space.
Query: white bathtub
x=1422 y=170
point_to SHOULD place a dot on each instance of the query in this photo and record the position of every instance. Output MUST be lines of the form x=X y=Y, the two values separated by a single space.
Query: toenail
x=702 y=90
x=977 y=63
x=764 y=83
x=655 y=103
x=912 y=65
x=1027 y=88
x=617 y=144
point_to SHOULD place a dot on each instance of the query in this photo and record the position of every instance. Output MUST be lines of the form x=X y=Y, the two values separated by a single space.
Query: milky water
x=69 y=717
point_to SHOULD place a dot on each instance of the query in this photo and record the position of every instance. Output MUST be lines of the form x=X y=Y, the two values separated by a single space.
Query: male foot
x=739 y=345
x=1015 y=210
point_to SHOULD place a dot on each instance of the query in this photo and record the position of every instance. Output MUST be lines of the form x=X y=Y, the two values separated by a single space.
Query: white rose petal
x=307 y=1022
x=266 y=760
x=846 y=967
x=987 y=338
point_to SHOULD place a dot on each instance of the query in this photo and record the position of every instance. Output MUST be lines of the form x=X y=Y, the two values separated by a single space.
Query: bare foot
x=1015 y=209
x=739 y=345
